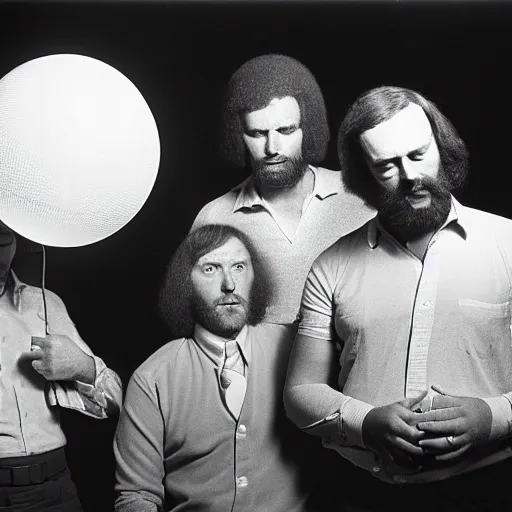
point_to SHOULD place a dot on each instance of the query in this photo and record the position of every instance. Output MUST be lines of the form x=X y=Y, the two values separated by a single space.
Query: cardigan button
x=242 y=481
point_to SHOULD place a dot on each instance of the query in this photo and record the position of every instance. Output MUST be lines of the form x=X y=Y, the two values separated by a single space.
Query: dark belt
x=44 y=466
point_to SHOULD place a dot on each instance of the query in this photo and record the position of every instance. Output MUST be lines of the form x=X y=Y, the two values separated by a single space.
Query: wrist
x=87 y=371
x=501 y=412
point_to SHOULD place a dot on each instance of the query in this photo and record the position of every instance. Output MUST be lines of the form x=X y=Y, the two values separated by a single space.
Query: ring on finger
x=450 y=440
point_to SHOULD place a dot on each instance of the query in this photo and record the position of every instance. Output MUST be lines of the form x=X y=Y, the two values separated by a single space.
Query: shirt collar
x=215 y=346
x=15 y=287
x=249 y=197
x=456 y=218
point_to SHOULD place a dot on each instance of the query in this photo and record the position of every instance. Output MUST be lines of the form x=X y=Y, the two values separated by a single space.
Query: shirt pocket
x=484 y=327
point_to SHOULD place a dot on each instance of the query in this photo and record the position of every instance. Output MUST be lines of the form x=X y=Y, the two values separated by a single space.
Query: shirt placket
x=422 y=323
x=242 y=461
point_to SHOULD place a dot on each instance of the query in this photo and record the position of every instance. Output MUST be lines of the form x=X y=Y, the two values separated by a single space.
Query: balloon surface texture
x=79 y=150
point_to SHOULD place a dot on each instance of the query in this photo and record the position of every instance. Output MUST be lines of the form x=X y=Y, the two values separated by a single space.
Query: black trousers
x=56 y=494
x=484 y=490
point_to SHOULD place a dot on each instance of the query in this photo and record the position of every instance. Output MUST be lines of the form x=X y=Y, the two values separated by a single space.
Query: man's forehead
x=232 y=249
x=407 y=130
x=278 y=110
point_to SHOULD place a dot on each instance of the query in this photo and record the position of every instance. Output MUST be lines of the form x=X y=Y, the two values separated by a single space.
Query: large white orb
x=79 y=150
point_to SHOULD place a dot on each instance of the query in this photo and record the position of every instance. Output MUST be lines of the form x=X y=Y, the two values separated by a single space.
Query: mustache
x=436 y=188
x=276 y=159
x=231 y=298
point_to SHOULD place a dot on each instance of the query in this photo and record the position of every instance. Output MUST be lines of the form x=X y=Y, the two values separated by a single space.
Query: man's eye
x=384 y=168
x=209 y=269
x=287 y=130
x=255 y=134
x=239 y=267
x=417 y=156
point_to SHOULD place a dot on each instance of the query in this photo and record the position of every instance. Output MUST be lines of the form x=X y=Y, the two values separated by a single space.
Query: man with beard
x=274 y=122
x=416 y=306
x=40 y=373
x=203 y=425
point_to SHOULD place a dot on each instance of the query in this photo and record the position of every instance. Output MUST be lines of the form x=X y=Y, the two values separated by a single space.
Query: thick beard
x=290 y=173
x=226 y=325
x=409 y=223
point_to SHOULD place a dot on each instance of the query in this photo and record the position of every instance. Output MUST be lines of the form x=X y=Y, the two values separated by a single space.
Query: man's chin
x=229 y=322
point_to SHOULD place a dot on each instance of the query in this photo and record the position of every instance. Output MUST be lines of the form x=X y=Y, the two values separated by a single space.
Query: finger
x=455 y=454
x=33 y=354
x=442 y=391
x=454 y=427
x=448 y=413
x=406 y=446
x=442 y=444
x=36 y=341
x=38 y=366
x=409 y=403
x=407 y=432
x=443 y=401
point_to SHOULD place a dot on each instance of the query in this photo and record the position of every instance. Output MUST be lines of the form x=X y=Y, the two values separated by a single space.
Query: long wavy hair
x=378 y=105
x=176 y=295
x=254 y=85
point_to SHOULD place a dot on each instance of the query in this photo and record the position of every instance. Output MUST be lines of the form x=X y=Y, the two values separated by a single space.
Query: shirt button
x=241 y=432
x=242 y=481
x=428 y=303
x=376 y=469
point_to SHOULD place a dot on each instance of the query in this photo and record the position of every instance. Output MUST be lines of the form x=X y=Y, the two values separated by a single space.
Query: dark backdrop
x=180 y=56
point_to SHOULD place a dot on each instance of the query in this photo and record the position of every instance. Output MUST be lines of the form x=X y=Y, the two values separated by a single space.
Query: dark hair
x=378 y=105
x=175 y=306
x=254 y=85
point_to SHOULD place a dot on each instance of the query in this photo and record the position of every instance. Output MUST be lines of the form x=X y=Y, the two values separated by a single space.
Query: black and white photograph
x=255 y=256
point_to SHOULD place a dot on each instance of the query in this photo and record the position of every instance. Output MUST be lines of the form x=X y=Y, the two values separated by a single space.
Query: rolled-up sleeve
x=311 y=402
x=102 y=398
x=317 y=311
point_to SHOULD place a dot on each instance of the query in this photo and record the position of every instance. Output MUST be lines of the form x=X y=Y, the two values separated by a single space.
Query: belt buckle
x=20 y=475
x=27 y=475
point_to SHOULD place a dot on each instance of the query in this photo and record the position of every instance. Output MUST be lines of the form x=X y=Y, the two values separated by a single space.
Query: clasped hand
x=57 y=357
x=453 y=425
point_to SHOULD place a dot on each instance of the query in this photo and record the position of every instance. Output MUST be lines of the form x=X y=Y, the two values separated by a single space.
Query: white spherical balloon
x=79 y=150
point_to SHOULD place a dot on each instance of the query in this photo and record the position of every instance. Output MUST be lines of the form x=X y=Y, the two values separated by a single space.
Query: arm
x=315 y=406
x=79 y=380
x=138 y=449
x=311 y=402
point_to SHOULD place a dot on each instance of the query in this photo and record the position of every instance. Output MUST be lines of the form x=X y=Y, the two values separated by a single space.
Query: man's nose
x=408 y=171
x=272 y=145
x=228 y=283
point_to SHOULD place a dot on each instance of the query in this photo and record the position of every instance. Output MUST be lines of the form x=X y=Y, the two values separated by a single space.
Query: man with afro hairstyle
x=274 y=123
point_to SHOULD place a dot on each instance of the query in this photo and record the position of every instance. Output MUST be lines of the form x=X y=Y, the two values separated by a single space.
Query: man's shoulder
x=219 y=208
x=344 y=246
x=487 y=221
x=29 y=291
x=160 y=360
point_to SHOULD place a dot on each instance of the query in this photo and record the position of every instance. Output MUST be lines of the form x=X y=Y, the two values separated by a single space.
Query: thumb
x=440 y=390
x=412 y=401
x=33 y=354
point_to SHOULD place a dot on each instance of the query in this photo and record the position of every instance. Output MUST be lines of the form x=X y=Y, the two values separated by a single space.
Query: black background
x=180 y=56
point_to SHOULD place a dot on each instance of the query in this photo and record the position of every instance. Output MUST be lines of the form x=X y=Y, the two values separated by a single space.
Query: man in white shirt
x=39 y=373
x=416 y=307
